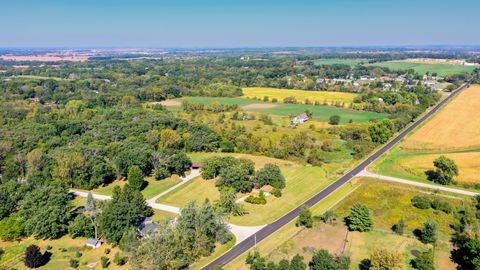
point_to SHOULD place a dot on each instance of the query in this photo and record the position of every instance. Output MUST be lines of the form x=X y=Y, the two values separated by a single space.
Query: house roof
x=266 y=188
x=197 y=164
x=93 y=241
x=301 y=116
x=147 y=226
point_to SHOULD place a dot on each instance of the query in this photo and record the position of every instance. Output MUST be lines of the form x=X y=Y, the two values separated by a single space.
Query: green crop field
x=422 y=68
x=350 y=62
x=321 y=113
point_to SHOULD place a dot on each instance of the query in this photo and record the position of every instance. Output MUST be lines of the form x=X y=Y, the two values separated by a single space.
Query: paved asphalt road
x=272 y=227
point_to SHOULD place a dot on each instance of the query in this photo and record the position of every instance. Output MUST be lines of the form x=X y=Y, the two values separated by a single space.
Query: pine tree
x=360 y=218
x=429 y=232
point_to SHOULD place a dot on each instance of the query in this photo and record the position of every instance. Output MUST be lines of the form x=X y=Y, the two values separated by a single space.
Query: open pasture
x=442 y=69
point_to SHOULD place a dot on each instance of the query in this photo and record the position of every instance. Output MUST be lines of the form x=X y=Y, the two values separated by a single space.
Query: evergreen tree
x=429 y=232
x=399 y=227
x=135 y=178
x=424 y=261
x=359 y=218
x=33 y=257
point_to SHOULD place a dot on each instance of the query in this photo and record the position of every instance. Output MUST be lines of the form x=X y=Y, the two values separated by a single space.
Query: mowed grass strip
x=456 y=126
x=300 y=95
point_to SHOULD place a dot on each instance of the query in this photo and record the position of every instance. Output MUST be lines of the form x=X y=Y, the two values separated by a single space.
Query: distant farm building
x=196 y=165
x=93 y=243
x=267 y=189
x=300 y=119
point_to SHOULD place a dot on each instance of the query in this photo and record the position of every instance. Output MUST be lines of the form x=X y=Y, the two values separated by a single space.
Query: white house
x=93 y=243
x=300 y=119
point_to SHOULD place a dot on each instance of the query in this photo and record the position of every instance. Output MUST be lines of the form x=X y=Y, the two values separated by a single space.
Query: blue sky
x=246 y=23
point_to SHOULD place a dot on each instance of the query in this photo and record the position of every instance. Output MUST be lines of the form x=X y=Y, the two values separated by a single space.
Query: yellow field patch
x=300 y=95
x=454 y=127
x=468 y=165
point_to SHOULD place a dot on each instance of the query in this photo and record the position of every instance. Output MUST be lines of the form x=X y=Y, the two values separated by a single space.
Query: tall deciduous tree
x=135 y=178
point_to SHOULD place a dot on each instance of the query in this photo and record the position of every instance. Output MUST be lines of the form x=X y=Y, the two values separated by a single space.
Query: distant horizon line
x=427 y=46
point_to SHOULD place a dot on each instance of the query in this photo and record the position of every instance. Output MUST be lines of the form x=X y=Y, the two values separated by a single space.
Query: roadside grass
x=289 y=231
x=300 y=95
x=389 y=202
x=219 y=250
x=423 y=68
x=320 y=113
x=63 y=250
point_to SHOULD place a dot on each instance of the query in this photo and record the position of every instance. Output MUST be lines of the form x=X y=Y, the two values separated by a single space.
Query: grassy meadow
x=442 y=69
x=388 y=203
x=453 y=132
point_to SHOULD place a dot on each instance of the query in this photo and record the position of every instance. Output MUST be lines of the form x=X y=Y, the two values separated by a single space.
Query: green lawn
x=196 y=189
x=422 y=68
x=152 y=188
x=321 y=113
x=302 y=183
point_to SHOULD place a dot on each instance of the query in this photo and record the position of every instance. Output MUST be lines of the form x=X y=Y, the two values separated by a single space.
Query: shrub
x=33 y=257
x=104 y=261
x=399 y=227
x=443 y=206
x=78 y=254
x=334 y=120
x=118 y=259
x=135 y=178
x=384 y=259
x=74 y=263
x=329 y=216
x=421 y=202
x=107 y=251
x=305 y=217
x=424 y=261
x=257 y=200
x=277 y=192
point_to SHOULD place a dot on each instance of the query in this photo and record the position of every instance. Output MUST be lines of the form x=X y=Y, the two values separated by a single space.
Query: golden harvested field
x=456 y=126
x=468 y=164
x=300 y=95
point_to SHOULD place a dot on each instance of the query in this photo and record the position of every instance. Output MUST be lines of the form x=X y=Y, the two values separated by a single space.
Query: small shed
x=196 y=165
x=267 y=189
x=93 y=243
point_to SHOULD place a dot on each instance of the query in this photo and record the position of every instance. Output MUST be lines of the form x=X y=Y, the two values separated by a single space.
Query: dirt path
x=419 y=184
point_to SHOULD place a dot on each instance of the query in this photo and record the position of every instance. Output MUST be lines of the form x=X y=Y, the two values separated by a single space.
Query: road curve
x=248 y=243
